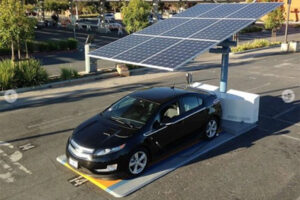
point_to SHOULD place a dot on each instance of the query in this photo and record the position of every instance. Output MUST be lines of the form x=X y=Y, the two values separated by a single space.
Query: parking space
x=262 y=164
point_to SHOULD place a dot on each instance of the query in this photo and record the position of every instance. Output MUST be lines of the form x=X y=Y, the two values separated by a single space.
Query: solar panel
x=119 y=46
x=162 y=26
x=255 y=10
x=222 y=11
x=146 y=50
x=222 y=29
x=180 y=54
x=197 y=10
x=189 y=28
x=171 y=43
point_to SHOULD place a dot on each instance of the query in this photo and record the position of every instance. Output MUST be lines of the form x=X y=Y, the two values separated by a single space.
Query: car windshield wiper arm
x=122 y=122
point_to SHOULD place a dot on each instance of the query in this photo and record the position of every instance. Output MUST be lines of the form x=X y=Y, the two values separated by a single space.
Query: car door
x=194 y=113
x=167 y=126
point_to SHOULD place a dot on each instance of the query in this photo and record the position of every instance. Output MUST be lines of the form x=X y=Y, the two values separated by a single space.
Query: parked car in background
x=112 y=24
x=126 y=136
x=109 y=16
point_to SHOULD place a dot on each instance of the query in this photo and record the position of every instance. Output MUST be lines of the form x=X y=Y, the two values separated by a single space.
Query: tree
x=274 y=20
x=135 y=15
x=15 y=26
x=115 y=5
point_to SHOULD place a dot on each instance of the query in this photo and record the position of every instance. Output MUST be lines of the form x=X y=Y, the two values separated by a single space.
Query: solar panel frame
x=184 y=39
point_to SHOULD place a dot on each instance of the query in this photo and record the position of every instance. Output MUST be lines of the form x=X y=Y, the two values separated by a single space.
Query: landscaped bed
x=259 y=43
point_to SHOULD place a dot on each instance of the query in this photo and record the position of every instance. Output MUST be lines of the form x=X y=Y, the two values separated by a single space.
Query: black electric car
x=124 y=137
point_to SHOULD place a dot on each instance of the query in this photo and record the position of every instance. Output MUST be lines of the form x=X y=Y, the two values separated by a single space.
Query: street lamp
x=73 y=18
x=287 y=21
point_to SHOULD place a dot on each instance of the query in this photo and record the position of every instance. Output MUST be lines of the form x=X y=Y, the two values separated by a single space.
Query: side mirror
x=189 y=78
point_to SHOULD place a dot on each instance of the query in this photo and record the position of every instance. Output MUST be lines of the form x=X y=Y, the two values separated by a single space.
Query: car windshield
x=131 y=111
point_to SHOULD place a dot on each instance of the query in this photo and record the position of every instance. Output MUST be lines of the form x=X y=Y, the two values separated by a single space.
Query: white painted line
x=281 y=120
x=284 y=112
x=287 y=136
x=259 y=87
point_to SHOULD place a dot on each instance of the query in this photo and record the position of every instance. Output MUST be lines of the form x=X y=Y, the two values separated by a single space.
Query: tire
x=211 y=129
x=137 y=162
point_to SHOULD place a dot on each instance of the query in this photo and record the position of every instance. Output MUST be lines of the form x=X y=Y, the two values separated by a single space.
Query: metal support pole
x=43 y=10
x=155 y=10
x=224 y=69
x=87 y=58
x=73 y=19
x=287 y=21
x=76 y=10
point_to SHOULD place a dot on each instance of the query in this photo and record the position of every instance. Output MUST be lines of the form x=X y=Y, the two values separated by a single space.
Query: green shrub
x=7 y=74
x=75 y=73
x=46 y=46
x=29 y=73
x=4 y=51
x=253 y=45
x=66 y=73
x=53 y=45
x=72 y=43
x=252 y=29
x=63 y=45
x=21 y=74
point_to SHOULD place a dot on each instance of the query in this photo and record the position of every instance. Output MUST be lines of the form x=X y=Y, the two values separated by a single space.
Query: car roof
x=161 y=94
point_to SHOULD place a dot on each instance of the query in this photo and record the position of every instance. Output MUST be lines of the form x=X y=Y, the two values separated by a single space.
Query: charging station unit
x=240 y=109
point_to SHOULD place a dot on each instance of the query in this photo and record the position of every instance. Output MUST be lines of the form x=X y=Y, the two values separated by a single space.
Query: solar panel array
x=171 y=43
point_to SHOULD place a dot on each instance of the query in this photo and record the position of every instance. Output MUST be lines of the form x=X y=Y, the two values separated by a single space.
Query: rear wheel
x=211 y=128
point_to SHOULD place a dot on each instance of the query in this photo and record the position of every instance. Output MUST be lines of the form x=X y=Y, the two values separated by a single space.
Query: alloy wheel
x=138 y=162
x=211 y=128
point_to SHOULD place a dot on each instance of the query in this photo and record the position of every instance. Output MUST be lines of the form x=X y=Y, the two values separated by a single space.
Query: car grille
x=80 y=151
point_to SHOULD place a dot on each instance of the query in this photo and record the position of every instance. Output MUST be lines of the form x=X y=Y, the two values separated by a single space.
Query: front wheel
x=138 y=162
x=211 y=128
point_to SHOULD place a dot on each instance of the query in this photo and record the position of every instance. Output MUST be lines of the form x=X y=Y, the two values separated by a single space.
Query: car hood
x=99 y=132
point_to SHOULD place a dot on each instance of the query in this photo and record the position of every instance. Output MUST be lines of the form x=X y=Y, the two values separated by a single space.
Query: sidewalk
x=204 y=61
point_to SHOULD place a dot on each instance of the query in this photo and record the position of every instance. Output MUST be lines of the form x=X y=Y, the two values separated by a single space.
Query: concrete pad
x=122 y=188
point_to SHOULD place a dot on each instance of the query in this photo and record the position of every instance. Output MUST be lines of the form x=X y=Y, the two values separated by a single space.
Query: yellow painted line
x=103 y=184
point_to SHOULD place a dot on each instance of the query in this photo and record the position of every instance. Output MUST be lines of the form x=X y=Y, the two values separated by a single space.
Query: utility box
x=294 y=46
x=237 y=106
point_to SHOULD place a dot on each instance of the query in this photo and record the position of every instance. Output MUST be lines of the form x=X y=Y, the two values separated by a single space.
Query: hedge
x=46 y=46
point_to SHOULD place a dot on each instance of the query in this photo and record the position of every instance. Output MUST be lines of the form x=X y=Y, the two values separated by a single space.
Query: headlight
x=102 y=152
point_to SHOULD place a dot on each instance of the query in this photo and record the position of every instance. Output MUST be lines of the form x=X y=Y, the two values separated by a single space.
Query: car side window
x=170 y=112
x=191 y=102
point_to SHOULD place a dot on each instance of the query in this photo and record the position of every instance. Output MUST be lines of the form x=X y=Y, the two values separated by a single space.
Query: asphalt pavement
x=262 y=164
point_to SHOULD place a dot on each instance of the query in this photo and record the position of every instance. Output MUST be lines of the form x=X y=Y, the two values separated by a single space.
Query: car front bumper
x=109 y=166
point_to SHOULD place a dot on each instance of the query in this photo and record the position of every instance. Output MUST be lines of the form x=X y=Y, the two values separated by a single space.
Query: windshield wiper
x=122 y=122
